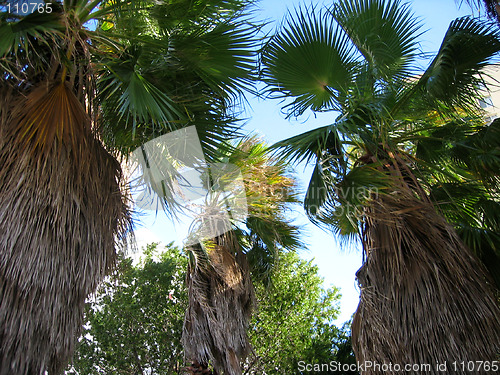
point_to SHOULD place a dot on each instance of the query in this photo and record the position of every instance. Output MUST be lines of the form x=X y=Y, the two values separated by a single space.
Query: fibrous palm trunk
x=221 y=298
x=425 y=299
x=61 y=208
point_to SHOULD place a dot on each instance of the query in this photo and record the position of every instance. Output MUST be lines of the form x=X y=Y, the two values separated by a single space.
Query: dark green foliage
x=134 y=322
x=294 y=320
x=343 y=349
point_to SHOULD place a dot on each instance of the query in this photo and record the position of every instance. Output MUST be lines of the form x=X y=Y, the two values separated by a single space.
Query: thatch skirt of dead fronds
x=221 y=298
x=425 y=299
x=61 y=210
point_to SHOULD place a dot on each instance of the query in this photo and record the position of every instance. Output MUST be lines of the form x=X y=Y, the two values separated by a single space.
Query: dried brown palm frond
x=221 y=298
x=424 y=297
x=61 y=212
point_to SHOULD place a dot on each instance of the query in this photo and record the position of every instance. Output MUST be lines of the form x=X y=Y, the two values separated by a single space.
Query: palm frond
x=137 y=101
x=222 y=55
x=50 y=113
x=489 y=5
x=485 y=244
x=310 y=60
x=310 y=146
x=319 y=191
x=384 y=31
x=343 y=206
x=16 y=34
x=455 y=77
x=264 y=241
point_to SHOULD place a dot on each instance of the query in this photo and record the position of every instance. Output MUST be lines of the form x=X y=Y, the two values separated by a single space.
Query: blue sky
x=337 y=265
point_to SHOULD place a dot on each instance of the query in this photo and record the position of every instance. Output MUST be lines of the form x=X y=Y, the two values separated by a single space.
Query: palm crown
x=359 y=60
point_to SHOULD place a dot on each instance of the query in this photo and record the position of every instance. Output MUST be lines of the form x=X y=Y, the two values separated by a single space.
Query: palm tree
x=492 y=7
x=425 y=297
x=221 y=295
x=77 y=74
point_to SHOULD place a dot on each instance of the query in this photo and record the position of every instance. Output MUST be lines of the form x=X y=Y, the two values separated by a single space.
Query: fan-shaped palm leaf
x=311 y=61
x=455 y=75
x=385 y=32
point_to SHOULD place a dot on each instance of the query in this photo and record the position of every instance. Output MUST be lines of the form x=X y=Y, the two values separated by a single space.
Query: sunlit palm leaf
x=138 y=101
x=455 y=75
x=309 y=60
x=385 y=32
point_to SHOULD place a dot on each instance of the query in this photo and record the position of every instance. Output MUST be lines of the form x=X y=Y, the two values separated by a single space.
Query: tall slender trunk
x=221 y=298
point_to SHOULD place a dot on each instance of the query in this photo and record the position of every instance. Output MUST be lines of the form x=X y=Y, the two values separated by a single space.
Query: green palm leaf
x=385 y=32
x=311 y=60
x=310 y=145
x=35 y=25
x=223 y=56
x=455 y=76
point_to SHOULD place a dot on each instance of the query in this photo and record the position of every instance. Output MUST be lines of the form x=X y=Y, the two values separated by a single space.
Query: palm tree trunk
x=221 y=298
x=61 y=209
x=425 y=298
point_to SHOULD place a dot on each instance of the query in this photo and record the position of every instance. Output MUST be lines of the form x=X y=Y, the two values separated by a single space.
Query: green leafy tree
x=421 y=287
x=134 y=322
x=294 y=319
x=83 y=83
